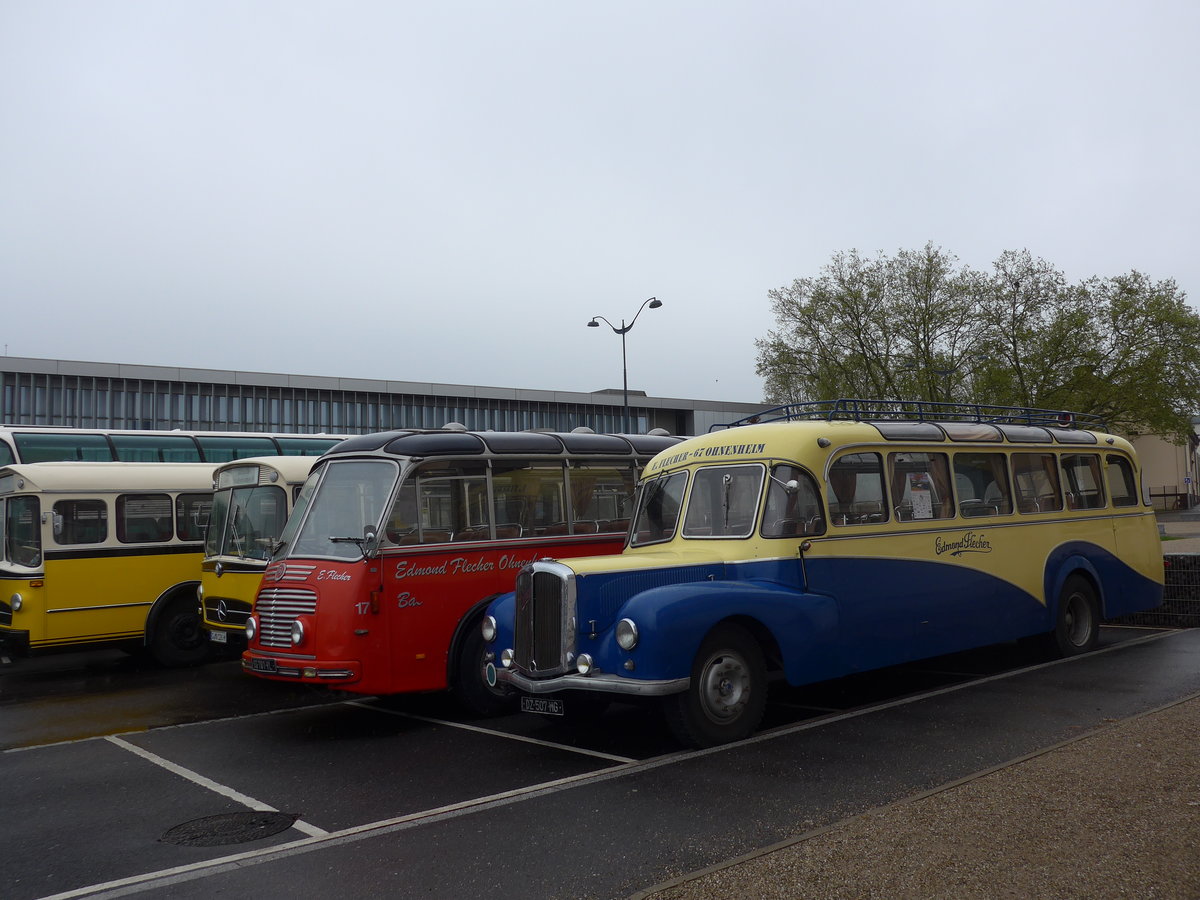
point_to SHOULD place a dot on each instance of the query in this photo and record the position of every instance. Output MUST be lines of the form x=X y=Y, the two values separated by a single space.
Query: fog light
x=584 y=663
x=488 y=628
x=308 y=672
x=251 y=627
x=506 y=658
x=627 y=634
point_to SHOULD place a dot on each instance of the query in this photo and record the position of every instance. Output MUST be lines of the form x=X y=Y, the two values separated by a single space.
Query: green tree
x=919 y=326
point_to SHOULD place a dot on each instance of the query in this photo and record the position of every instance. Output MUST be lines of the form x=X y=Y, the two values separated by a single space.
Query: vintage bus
x=399 y=540
x=30 y=443
x=252 y=501
x=843 y=537
x=103 y=553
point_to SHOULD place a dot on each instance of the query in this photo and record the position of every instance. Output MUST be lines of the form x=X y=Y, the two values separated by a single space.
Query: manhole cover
x=229 y=828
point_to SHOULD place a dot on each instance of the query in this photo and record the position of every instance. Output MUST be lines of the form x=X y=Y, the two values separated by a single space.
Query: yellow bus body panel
x=107 y=597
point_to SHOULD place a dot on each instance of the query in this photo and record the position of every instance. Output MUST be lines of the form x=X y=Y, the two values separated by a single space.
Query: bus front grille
x=277 y=609
x=543 y=642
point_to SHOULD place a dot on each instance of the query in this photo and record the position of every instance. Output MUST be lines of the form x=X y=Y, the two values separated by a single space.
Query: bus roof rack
x=857 y=410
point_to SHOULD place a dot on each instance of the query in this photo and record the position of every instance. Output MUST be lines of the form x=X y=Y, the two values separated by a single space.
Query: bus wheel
x=178 y=640
x=470 y=683
x=727 y=695
x=1077 y=627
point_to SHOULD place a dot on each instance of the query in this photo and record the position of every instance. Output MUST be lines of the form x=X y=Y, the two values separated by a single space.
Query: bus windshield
x=246 y=520
x=20 y=535
x=348 y=503
x=659 y=502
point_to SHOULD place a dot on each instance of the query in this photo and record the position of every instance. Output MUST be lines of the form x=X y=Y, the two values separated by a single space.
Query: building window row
x=89 y=402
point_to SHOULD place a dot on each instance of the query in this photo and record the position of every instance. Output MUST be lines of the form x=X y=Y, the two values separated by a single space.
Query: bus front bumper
x=600 y=682
x=14 y=641
x=310 y=671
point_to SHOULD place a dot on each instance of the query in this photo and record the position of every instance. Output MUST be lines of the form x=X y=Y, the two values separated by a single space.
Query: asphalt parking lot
x=324 y=793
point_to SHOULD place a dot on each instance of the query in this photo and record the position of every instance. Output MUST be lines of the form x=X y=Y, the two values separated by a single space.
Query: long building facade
x=117 y=395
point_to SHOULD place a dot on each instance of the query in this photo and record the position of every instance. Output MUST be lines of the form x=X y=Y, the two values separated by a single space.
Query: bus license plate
x=261 y=665
x=543 y=705
x=218 y=637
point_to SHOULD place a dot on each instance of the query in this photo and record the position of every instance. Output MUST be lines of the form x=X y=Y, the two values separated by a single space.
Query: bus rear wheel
x=1077 y=622
x=727 y=694
x=178 y=638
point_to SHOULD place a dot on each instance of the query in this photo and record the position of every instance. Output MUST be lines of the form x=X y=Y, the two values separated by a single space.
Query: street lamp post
x=622 y=331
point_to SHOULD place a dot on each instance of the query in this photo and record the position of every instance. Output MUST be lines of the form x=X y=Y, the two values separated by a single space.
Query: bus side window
x=1085 y=488
x=792 y=511
x=528 y=497
x=920 y=485
x=192 y=513
x=1037 y=483
x=143 y=518
x=856 y=494
x=83 y=521
x=981 y=482
x=601 y=498
x=1121 y=483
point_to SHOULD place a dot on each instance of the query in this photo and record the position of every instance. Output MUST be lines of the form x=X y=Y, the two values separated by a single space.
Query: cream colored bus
x=104 y=554
x=252 y=501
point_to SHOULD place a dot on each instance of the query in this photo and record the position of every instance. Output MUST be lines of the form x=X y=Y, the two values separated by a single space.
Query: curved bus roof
x=797 y=438
x=447 y=442
x=920 y=411
x=30 y=443
x=291 y=469
x=105 y=477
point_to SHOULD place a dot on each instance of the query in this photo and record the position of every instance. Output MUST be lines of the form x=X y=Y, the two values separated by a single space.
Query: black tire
x=1077 y=624
x=470 y=681
x=178 y=639
x=727 y=695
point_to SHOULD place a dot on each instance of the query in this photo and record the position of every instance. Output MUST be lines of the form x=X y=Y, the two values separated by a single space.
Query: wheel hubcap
x=1078 y=618
x=724 y=687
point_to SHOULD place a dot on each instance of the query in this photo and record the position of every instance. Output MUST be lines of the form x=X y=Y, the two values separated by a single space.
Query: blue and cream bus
x=840 y=537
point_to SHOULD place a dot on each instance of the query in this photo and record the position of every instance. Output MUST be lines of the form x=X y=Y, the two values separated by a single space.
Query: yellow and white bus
x=839 y=539
x=104 y=553
x=251 y=504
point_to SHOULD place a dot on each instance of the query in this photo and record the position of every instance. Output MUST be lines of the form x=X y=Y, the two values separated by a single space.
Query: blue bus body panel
x=858 y=613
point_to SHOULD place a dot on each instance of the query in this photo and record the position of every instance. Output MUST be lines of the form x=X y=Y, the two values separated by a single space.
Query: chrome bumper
x=601 y=683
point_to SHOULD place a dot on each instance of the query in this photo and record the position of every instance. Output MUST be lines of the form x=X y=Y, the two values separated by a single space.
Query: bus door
x=875 y=593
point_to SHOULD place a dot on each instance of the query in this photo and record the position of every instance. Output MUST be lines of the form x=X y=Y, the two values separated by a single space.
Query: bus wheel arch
x=1077 y=610
x=175 y=636
x=727 y=693
x=465 y=667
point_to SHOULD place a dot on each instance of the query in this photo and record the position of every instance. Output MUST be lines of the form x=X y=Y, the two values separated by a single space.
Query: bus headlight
x=17 y=601
x=584 y=663
x=627 y=634
x=489 y=628
x=251 y=627
x=297 y=633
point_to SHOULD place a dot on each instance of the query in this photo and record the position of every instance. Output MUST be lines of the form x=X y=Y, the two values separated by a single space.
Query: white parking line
x=492 y=733
x=215 y=787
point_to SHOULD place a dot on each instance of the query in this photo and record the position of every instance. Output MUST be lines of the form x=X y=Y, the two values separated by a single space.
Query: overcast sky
x=449 y=191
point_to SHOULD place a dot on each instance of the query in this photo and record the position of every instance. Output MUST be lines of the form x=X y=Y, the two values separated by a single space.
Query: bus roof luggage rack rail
x=858 y=410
